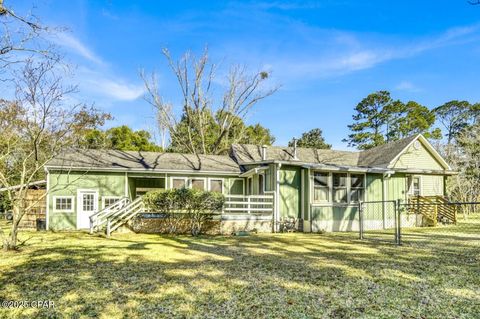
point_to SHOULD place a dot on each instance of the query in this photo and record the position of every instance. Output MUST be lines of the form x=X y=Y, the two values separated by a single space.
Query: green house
x=263 y=185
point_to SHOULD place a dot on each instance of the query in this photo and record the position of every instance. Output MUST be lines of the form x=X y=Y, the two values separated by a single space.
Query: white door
x=87 y=205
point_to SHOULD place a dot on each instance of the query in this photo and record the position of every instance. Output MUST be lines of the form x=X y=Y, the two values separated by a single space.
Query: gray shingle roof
x=134 y=160
x=379 y=157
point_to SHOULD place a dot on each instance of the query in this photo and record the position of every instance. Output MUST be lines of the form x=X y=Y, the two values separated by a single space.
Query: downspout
x=277 y=199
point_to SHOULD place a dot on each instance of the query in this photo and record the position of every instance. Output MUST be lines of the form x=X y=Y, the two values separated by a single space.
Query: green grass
x=435 y=274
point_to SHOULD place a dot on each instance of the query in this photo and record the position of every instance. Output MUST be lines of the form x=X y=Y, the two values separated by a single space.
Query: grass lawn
x=435 y=274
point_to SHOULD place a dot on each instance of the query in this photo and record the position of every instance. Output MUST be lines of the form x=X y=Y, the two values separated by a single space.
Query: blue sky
x=326 y=55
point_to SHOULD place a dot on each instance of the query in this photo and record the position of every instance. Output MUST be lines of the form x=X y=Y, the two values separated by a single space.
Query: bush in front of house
x=184 y=206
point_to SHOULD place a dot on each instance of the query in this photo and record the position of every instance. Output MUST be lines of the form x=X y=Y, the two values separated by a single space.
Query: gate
x=380 y=220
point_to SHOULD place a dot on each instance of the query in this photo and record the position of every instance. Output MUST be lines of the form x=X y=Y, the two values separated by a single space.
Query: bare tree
x=199 y=109
x=36 y=126
x=21 y=37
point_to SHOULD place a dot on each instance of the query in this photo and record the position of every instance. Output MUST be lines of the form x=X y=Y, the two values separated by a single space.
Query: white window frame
x=210 y=179
x=350 y=187
x=178 y=177
x=329 y=185
x=420 y=184
x=109 y=197
x=190 y=184
x=63 y=210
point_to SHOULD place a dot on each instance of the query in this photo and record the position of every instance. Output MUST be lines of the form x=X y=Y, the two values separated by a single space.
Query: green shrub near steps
x=183 y=204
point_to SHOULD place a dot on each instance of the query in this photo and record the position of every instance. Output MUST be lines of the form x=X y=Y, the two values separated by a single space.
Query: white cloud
x=117 y=90
x=407 y=86
x=76 y=46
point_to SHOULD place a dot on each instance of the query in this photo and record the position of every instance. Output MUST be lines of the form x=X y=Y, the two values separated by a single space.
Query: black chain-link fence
x=420 y=221
x=379 y=220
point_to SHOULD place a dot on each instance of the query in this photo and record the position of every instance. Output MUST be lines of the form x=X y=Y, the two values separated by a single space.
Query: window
x=416 y=186
x=236 y=186
x=261 y=184
x=88 y=201
x=321 y=188
x=178 y=183
x=357 y=185
x=216 y=185
x=63 y=203
x=339 y=188
x=198 y=184
x=109 y=200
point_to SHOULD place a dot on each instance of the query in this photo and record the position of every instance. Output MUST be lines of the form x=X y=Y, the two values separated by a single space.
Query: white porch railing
x=99 y=219
x=249 y=204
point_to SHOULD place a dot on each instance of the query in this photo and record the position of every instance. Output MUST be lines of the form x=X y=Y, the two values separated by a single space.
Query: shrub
x=180 y=205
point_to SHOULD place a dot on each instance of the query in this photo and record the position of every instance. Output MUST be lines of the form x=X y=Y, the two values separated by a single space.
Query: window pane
x=178 y=183
x=236 y=187
x=198 y=184
x=88 y=202
x=339 y=179
x=110 y=201
x=320 y=194
x=63 y=203
x=216 y=185
x=357 y=180
x=321 y=179
x=356 y=195
x=340 y=195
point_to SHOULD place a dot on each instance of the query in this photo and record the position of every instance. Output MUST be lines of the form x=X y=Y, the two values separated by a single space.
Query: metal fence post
x=399 y=221
x=360 y=218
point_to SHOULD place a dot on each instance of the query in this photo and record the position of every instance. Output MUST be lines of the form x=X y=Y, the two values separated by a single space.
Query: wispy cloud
x=75 y=46
x=407 y=86
x=100 y=85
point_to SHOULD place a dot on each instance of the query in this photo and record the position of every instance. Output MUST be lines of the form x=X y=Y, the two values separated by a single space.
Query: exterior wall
x=432 y=185
x=396 y=187
x=335 y=218
x=289 y=193
x=419 y=158
x=67 y=184
x=374 y=187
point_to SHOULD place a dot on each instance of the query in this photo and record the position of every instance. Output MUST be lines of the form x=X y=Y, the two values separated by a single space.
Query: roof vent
x=264 y=152
x=295 y=149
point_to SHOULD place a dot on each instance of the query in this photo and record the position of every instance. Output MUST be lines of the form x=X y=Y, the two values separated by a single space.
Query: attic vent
x=416 y=145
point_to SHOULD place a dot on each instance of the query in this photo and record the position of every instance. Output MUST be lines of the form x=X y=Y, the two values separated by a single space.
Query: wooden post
x=360 y=219
x=248 y=204
x=91 y=225
x=108 y=227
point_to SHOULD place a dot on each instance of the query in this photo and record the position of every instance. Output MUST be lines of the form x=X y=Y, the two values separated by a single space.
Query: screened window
x=178 y=183
x=250 y=186
x=236 y=187
x=261 y=184
x=357 y=186
x=198 y=184
x=64 y=203
x=216 y=185
x=339 y=188
x=321 y=188
x=109 y=201
x=416 y=186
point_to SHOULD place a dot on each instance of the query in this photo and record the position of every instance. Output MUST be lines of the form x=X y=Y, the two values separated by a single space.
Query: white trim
x=71 y=210
x=254 y=171
x=47 y=212
x=109 y=197
x=420 y=185
x=134 y=170
x=178 y=177
x=204 y=179
x=210 y=179
x=429 y=147
x=126 y=185
x=80 y=202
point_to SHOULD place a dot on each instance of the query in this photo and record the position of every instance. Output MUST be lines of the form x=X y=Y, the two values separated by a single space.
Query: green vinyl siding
x=306 y=194
x=335 y=218
x=419 y=158
x=290 y=183
x=396 y=187
x=432 y=185
x=374 y=187
x=67 y=184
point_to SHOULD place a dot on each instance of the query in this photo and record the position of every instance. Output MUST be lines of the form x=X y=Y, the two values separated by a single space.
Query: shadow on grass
x=286 y=275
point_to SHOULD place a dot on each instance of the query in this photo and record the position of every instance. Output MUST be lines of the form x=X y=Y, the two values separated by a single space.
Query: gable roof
x=382 y=157
x=136 y=160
